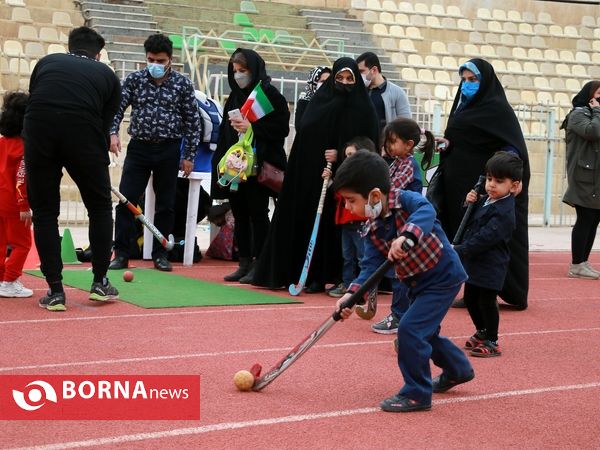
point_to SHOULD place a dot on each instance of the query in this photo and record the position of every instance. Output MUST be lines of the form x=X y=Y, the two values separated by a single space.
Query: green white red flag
x=257 y=105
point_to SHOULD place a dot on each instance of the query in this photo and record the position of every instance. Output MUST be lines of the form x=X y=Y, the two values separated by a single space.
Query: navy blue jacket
x=484 y=250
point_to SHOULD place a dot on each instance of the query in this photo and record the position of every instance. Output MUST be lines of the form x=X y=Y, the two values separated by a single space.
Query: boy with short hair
x=484 y=250
x=431 y=270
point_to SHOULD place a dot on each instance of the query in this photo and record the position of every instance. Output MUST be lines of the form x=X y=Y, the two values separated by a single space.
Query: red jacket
x=343 y=215
x=13 y=191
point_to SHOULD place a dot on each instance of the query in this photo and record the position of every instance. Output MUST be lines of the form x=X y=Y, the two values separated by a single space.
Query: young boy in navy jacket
x=431 y=270
x=484 y=250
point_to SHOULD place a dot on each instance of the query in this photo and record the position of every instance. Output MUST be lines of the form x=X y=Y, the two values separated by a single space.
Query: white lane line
x=260 y=351
x=178 y=313
x=228 y=426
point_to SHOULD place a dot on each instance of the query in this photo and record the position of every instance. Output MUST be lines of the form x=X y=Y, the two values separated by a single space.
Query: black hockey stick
x=467 y=216
x=311 y=339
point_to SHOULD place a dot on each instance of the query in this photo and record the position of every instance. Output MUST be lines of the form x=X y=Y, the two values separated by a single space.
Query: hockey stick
x=168 y=244
x=467 y=216
x=369 y=309
x=311 y=339
x=296 y=289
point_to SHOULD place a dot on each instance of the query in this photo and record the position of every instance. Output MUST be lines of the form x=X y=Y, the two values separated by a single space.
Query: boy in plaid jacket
x=431 y=270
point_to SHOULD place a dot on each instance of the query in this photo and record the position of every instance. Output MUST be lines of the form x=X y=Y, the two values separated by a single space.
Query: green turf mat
x=153 y=289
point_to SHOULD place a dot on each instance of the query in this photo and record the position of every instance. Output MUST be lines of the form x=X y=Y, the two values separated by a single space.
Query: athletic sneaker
x=337 y=291
x=589 y=266
x=582 y=270
x=399 y=403
x=103 y=292
x=389 y=325
x=53 y=302
x=475 y=340
x=14 y=289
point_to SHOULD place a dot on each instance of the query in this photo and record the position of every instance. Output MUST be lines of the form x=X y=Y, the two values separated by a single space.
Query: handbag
x=237 y=163
x=435 y=190
x=271 y=177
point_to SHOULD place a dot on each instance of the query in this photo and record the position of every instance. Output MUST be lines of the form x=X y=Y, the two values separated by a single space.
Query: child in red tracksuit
x=351 y=224
x=15 y=215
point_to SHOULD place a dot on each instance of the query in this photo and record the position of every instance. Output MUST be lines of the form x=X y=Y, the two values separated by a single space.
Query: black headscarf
x=486 y=124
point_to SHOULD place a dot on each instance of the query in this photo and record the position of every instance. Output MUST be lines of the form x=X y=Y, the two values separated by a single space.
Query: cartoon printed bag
x=236 y=164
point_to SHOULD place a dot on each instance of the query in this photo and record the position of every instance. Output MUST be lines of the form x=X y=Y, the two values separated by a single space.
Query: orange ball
x=243 y=380
x=128 y=275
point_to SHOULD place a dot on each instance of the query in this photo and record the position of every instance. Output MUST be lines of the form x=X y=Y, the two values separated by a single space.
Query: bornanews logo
x=99 y=397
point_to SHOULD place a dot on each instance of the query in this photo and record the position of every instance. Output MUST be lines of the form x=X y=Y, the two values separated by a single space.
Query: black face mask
x=341 y=87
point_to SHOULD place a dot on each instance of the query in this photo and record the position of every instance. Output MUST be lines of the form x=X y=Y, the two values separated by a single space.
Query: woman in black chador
x=250 y=204
x=338 y=111
x=481 y=123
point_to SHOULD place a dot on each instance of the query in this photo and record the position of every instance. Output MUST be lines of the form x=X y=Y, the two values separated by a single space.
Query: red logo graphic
x=99 y=397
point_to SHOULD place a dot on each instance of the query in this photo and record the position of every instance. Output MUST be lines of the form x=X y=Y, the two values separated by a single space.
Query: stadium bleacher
x=543 y=51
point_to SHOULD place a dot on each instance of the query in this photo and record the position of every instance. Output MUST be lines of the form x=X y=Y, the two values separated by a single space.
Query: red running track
x=542 y=393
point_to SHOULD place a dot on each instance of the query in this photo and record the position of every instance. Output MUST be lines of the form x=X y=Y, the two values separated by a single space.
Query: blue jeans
x=419 y=341
x=352 y=250
x=400 y=300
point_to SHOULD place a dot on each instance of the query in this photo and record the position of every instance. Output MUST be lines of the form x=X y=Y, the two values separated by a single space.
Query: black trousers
x=83 y=151
x=145 y=158
x=483 y=309
x=584 y=233
x=250 y=208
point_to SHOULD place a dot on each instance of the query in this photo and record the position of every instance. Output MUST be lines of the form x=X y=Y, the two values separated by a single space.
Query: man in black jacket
x=73 y=99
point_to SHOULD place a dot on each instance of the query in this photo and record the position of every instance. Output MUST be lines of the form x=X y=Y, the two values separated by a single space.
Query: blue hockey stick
x=296 y=289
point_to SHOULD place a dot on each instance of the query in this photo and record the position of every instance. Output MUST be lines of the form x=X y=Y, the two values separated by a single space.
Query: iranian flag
x=257 y=105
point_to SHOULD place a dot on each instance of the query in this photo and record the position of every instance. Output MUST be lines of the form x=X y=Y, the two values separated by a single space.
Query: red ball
x=128 y=275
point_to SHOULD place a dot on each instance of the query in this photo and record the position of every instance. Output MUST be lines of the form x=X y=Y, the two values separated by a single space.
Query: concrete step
x=121 y=7
x=108 y=31
x=125 y=24
x=111 y=14
x=324 y=13
x=334 y=24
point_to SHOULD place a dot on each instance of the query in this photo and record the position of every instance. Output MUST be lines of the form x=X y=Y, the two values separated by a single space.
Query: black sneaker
x=389 y=325
x=443 y=382
x=53 y=302
x=399 y=403
x=103 y=292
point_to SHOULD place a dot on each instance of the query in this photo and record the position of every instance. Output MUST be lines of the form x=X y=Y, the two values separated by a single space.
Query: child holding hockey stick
x=484 y=250
x=431 y=270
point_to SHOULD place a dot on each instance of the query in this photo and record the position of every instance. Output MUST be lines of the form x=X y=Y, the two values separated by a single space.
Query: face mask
x=319 y=84
x=242 y=79
x=373 y=211
x=469 y=88
x=157 y=70
x=366 y=80
x=344 y=87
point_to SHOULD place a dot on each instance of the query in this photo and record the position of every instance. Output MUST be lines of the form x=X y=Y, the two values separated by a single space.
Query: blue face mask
x=469 y=88
x=157 y=70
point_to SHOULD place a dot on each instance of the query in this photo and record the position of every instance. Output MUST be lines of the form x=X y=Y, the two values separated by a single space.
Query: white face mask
x=319 y=84
x=373 y=211
x=366 y=80
x=242 y=79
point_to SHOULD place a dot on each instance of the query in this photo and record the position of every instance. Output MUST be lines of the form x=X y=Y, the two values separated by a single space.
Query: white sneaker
x=14 y=289
x=581 y=270
x=589 y=266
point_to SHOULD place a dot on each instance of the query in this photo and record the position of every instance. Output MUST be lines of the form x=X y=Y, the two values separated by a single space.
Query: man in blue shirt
x=163 y=111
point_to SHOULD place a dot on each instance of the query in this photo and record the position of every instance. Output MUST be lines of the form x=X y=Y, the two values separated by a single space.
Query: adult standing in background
x=339 y=111
x=163 y=112
x=73 y=99
x=582 y=126
x=389 y=99
x=316 y=78
x=482 y=122
x=250 y=204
